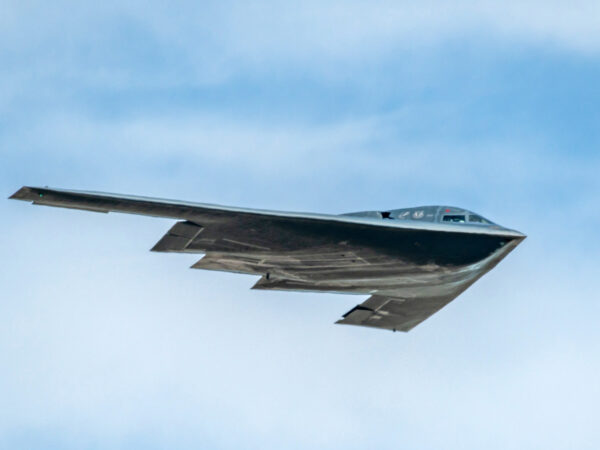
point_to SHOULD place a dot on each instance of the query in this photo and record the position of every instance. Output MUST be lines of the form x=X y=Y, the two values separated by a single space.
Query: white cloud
x=376 y=145
x=209 y=42
x=102 y=341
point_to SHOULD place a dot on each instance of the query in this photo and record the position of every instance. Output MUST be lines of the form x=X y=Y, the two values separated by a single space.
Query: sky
x=324 y=106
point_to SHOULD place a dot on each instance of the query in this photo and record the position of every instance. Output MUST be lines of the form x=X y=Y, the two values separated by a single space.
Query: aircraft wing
x=410 y=269
x=177 y=209
x=394 y=313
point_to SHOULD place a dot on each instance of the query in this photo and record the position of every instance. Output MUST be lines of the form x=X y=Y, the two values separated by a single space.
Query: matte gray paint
x=409 y=260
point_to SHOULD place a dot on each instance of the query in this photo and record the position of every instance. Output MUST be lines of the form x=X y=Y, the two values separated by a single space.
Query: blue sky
x=318 y=106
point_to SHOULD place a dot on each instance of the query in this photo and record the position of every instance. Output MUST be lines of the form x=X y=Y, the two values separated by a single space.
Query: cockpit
x=444 y=214
x=464 y=218
x=439 y=214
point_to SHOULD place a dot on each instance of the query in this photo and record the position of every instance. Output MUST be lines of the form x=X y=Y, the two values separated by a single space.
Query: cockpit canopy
x=440 y=214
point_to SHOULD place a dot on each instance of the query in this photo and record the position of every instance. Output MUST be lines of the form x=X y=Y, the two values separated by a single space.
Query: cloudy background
x=322 y=106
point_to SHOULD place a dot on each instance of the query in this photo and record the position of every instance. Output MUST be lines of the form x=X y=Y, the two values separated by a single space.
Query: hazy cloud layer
x=323 y=107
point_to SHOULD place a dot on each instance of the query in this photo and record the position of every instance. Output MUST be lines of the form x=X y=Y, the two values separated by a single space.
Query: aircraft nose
x=517 y=234
x=510 y=233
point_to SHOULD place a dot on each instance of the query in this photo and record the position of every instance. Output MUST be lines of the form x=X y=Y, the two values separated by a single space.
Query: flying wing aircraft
x=411 y=261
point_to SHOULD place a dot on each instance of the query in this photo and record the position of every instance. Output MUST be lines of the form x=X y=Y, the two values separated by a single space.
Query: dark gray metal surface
x=411 y=261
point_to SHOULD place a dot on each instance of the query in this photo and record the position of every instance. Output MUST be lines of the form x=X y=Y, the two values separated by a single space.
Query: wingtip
x=24 y=193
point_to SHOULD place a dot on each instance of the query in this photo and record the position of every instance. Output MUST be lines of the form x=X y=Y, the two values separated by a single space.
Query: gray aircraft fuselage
x=411 y=261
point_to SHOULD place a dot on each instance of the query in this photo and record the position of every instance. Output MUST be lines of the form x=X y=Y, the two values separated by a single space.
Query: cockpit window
x=477 y=219
x=457 y=218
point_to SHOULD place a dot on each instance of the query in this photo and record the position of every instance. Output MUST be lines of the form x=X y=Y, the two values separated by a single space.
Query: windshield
x=474 y=218
x=457 y=218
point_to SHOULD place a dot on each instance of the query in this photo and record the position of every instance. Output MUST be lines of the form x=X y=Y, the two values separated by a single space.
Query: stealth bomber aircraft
x=411 y=262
